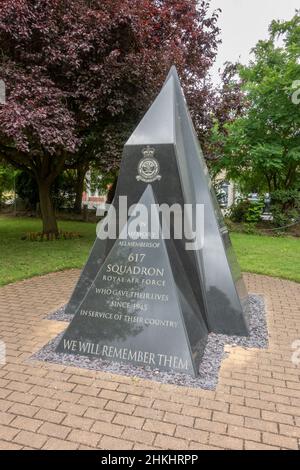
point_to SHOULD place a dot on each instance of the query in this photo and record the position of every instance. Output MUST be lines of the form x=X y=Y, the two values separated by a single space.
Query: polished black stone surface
x=139 y=309
x=163 y=161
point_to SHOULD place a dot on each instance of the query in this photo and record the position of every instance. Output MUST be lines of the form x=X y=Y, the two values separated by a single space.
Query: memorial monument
x=149 y=299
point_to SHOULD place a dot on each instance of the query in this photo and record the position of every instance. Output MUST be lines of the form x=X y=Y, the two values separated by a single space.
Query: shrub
x=238 y=211
x=285 y=207
x=254 y=212
x=247 y=211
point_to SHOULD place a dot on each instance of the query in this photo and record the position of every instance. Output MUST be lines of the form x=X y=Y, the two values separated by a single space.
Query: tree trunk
x=47 y=211
x=79 y=187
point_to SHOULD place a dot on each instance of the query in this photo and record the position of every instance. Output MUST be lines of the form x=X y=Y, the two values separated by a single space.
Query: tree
x=262 y=147
x=74 y=67
x=228 y=104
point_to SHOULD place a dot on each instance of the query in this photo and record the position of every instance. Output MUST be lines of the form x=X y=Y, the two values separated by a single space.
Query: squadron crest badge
x=148 y=167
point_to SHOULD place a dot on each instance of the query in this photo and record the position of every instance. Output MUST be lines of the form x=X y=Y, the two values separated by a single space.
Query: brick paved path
x=255 y=406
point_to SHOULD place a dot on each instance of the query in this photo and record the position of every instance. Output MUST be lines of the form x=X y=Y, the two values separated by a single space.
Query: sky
x=243 y=23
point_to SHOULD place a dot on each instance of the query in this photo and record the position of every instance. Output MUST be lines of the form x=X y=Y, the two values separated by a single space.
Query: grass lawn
x=273 y=256
x=21 y=259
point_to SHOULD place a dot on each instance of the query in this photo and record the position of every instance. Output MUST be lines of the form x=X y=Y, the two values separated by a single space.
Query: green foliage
x=62 y=191
x=246 y=211
x=239 y=211
x=254 y=212
x=101 y=180
x=262 y=148
x=285 y=207
x=287 y=199
x=7 y=176
x=27 y=189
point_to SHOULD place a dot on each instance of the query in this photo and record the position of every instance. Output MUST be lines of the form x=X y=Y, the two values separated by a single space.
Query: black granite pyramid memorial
x=135 y=310
x=203 y=289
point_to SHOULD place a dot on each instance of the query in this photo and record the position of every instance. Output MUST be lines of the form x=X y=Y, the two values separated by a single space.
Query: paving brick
x=71 y=397
x=20 y=397
x=127 y=420
x=261 y=425
x=81 y=380
x=19 y=386
x=148 y=413
x=260 y=404
x=6 y=418
x=86 y=390
x=106 y=384
x=59 y=444
x=275 y=398
x=191 y=434
x=167 y=406
x=84 y=437
x=50 y=416
x=244 y=433
x=112 y=443
x=120 y=407
x=78 y=422
x=63 y=386
x=291 y=431
x=211 y=426
x=226 y=442
x=44 y=402
x=112 y=395
x=23 y=410
x=92 y=401
x=245 y=411
x=28 y=424
x=3 y=394
x=185 y=399
x=131 y=389
x=179 y=419
x=159 y=427
x=139 y=401
x=30 y=439
x=4 y=445
x=280 y=441
x=286 y=409
x=42 y=391
x=54 y=430
x=169 y=442
x=214 y=405
x=72 y=408
x=197 y=412
x=228 y=418
x=251 y=445
x=102 y=415
x=277 y=417
x=109 y=429
x=138 y=435
x=7 y=433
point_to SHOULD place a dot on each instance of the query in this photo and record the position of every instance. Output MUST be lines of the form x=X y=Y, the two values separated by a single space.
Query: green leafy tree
x=261 y=149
